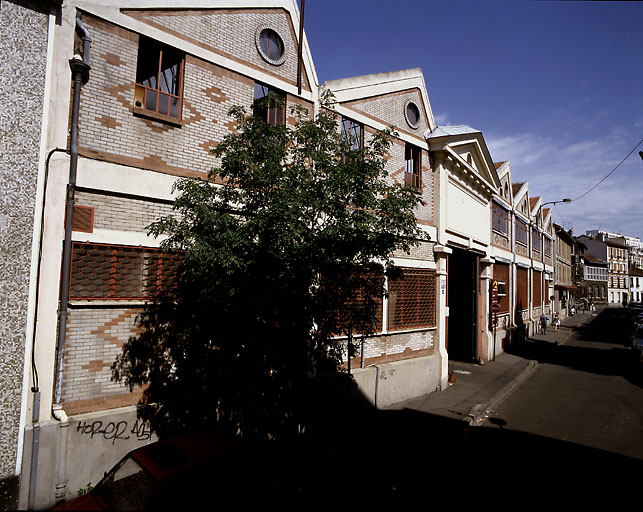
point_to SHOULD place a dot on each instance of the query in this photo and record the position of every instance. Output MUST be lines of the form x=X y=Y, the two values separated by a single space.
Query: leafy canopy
x=286 y=254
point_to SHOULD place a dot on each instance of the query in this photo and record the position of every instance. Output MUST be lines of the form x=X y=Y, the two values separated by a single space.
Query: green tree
x=288 y=251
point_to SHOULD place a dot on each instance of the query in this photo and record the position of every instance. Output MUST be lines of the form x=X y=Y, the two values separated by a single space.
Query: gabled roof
x=519 y=190
x=377 y=84
x=515 y=187
x=451 y=138
x=119 y=13
x=446 y=131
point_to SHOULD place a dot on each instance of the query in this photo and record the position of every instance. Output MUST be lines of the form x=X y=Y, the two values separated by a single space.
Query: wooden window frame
x=141 y=91
x=413 y=166
x=274 y=111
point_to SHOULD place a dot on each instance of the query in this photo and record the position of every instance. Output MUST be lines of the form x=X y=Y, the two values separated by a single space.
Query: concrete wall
x=23 y=43
x=95 y=442
x=400 y=380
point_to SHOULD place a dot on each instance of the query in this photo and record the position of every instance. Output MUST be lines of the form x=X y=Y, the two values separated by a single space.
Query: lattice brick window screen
x=120 y=272
x=412 y=300
x=339 y=319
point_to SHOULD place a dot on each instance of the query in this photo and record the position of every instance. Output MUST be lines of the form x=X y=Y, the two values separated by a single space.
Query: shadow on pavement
x=360 y=456
x=610 y=326
x=408 y=457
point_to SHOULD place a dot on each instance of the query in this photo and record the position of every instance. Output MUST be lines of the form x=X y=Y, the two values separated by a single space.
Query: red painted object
x=160 y=474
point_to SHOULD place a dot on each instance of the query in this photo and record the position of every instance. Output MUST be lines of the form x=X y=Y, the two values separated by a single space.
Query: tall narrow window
x=352 y=136
x=352 y=133
x=522 y=232
x=159 y=75
x=535 y=240
x=273 y=110
x=500 y=219
x=412 y=166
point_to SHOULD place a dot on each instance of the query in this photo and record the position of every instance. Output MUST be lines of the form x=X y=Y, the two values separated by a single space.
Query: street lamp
x=566 y=200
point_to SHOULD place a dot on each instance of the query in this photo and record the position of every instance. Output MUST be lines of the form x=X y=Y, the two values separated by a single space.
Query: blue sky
x=555 y=87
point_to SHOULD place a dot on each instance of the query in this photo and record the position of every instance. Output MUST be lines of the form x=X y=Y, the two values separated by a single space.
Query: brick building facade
x=137 y=135
x=162 y=80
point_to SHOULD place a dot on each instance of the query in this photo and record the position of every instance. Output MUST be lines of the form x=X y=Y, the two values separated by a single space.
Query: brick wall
x=110 y=131
x=231 y=33
x=95 y=337
x=423 y=252
x=386 y=349
x=389 y=109
x=122 y=213
x=425 y=212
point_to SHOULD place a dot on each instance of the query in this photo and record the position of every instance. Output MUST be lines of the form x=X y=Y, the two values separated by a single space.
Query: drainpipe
x=80 y=75
x=35 y=443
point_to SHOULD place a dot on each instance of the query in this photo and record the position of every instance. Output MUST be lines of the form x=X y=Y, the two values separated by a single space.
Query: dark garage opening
x=463 y=311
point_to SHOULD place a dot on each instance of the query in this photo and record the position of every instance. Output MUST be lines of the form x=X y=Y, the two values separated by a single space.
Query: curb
x=480 y=412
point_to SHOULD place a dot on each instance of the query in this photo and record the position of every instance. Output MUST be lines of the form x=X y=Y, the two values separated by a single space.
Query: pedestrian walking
x=556 y=321
x=543 y=323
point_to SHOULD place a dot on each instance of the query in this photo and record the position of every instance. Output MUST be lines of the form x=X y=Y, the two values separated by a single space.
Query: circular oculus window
x=270 y=45
x=412 y=114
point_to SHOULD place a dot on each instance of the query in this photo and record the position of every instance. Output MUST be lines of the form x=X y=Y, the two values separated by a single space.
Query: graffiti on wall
x=115 y=430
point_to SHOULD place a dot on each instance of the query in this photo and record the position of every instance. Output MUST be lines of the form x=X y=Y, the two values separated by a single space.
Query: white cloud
x=557 y=168
x=442 y=119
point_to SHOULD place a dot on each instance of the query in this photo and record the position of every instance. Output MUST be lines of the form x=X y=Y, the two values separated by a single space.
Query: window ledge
x=141 y=112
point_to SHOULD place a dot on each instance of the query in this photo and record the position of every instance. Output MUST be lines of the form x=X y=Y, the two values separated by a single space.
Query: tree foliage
x=281 y=259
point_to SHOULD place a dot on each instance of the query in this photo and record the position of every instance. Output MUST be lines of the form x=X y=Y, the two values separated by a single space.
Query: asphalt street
x=586 y=390
x=557 y=419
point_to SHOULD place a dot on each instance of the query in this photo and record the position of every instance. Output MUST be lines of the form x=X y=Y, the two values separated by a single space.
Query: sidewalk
x=480 y=388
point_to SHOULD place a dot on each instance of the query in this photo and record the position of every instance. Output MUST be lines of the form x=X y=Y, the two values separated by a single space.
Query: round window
x=412 y=113
x=270 y=45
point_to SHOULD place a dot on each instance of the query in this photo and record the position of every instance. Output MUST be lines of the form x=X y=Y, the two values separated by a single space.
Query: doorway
x=462 y=283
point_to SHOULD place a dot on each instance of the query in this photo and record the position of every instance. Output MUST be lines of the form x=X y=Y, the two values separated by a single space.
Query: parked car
x=180 y=473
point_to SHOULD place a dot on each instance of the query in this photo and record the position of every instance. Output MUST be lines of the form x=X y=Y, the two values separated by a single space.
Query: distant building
x=615 y=252
x=563 y=284
x=595 y=278
x=636 y=284
x=634 y=245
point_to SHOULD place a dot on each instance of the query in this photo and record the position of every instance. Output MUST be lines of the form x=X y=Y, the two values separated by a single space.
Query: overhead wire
x=610 y=173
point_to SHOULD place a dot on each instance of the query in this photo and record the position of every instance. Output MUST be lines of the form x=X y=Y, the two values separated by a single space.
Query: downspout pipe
x=84 y=35
x=80 y=75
